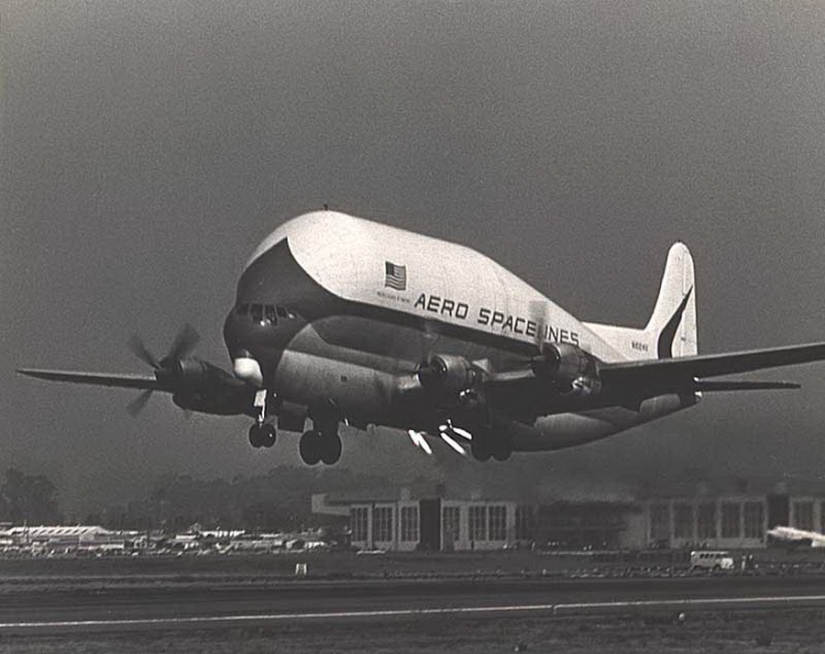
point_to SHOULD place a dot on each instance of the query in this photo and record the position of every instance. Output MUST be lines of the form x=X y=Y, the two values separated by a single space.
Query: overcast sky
x=147 y=147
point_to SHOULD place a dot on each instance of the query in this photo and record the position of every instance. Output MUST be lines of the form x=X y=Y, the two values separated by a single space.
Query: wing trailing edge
x=707 y=386
x=680 y=373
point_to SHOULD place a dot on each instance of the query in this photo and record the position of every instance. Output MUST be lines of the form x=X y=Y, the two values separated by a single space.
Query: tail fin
x=671 y=330
x=672 y=326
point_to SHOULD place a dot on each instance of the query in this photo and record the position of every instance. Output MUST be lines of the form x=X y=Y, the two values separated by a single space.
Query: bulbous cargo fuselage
x=339 y=314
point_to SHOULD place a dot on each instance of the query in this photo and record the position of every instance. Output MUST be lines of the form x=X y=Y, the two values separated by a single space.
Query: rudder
x=672 y=325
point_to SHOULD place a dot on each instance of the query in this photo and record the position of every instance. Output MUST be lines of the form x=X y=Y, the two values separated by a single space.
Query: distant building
x=61 y=537
x=679 y=515
x=399 y=522
x=722 y=515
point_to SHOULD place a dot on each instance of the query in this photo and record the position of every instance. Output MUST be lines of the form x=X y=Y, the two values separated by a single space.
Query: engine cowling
x=189 y=368
x=448 y=374
x=570 y=368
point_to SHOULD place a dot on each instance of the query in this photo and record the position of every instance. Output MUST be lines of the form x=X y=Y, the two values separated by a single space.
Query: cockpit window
x=265 y=314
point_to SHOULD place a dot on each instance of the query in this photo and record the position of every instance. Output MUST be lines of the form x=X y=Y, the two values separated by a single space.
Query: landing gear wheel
x=502 y=454
x=256 y=436
x=269 y=435
x=262 y=435
x=480 y=452
x=331 y=449
x=310 y=447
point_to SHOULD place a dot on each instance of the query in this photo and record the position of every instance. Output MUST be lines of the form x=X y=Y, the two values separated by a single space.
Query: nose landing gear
x=263 y=435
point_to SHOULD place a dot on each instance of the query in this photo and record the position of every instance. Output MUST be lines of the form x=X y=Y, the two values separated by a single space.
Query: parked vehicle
x=711 y=560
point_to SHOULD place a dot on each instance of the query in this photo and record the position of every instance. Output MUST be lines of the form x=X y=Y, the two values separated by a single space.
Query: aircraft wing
x=677 y=374
x=146 y=382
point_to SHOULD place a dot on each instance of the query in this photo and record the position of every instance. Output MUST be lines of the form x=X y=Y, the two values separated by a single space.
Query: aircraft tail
x=673 y=322
x=671 y=330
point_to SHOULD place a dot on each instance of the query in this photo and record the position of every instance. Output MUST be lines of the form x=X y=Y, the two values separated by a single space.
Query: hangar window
x=282 y=312
x=382 y=524
x=730 y=520
x=409 y=523
x=803 y=515
x=270 y=314
x=524 y=522
x=257 y=312
x=754 y=518
x=683 y=521
x=498 y=523
x=706 y=527
x=451 y=523
x=358 y=523
x=660 y=522
x=478 y=523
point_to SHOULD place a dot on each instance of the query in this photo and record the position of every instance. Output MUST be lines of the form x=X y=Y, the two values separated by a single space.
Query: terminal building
x=682 y=515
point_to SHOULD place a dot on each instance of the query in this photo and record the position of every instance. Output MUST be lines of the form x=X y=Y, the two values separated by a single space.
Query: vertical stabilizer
x=672 y=326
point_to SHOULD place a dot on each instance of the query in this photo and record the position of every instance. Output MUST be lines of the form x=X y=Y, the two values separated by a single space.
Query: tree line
x=278 y=500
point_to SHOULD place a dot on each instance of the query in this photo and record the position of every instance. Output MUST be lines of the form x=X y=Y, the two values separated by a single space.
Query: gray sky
x=147 y=147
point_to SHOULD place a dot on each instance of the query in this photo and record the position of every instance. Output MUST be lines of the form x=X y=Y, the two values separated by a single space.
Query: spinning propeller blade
x=183 y=345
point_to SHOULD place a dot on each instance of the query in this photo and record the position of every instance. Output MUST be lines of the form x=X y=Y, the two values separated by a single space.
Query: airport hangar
x=687 y=514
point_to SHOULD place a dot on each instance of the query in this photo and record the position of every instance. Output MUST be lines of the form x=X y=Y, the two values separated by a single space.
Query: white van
x=710 y=560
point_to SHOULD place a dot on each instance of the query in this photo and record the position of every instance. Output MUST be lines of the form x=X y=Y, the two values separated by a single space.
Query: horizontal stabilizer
x=714 y=386
x=678 y=375
x=96 y=379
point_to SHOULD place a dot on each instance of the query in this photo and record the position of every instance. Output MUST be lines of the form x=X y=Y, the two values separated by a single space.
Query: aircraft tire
x=310 y=447
x=331 y=449
x=256 y=436
x=502 y=454
x=269 y=435
x=480 y=452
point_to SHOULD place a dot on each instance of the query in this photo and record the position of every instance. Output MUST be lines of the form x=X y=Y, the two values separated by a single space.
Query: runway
x=302 y=604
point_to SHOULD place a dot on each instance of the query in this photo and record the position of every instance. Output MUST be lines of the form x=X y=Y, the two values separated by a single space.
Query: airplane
x=792 y=537
x=342 y=319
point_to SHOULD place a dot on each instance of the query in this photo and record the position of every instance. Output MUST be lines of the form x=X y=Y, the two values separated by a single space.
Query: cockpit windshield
x=264 y=314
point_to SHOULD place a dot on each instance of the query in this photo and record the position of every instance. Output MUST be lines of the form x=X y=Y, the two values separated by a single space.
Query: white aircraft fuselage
x=348 y=332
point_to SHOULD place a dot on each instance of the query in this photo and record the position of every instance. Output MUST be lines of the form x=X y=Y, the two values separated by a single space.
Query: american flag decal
x=396 y=276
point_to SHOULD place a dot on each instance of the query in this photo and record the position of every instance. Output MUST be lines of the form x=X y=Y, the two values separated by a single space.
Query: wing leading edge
x=97 y=379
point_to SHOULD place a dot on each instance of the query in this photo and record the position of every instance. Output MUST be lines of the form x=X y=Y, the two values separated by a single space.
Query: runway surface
x=302 y=603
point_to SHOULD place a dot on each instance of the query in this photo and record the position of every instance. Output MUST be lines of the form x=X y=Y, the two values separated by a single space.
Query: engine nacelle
x=572 y=369
x=191 y=370
x=447 y=373
x=233 y=402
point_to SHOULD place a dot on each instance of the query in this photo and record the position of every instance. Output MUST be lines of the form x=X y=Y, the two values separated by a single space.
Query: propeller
x=136 y=406
x=427 y=341
x=537 y=310
x=183 y=345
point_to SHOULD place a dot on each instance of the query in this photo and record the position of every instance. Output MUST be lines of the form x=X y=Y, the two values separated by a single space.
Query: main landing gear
x=482 y=451
x=322 y=443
